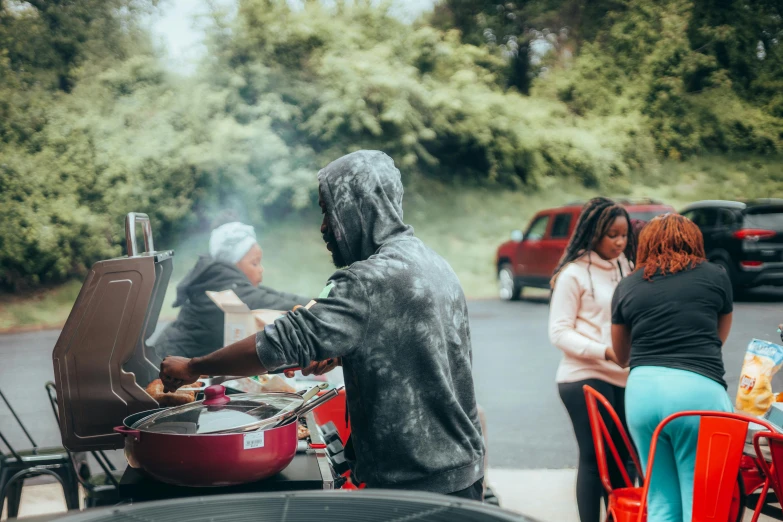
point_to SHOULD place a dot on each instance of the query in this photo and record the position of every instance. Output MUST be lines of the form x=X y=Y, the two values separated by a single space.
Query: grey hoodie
x=398 y=318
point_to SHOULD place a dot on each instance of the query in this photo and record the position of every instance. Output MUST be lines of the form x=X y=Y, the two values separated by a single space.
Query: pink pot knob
x=215 y=395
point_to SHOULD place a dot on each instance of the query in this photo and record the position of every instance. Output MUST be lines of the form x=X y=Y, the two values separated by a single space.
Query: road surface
x=514 y=368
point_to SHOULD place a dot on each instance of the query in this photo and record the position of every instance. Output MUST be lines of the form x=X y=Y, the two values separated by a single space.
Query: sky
x=175 y=26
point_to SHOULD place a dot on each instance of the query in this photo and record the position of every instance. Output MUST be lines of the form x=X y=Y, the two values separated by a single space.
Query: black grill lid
x=307 y=506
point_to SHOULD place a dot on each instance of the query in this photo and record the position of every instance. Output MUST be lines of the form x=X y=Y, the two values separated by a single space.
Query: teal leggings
x=652 y=394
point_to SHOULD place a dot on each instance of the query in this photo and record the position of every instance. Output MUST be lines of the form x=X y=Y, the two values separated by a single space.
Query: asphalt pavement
x=514 y=368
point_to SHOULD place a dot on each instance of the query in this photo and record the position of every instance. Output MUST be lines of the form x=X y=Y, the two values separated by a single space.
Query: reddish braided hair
x=669 y=244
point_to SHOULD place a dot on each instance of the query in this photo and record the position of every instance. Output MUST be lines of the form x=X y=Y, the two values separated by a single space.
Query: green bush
x=92 y=126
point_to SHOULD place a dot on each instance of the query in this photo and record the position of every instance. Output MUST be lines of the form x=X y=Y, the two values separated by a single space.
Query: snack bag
x=762 y=360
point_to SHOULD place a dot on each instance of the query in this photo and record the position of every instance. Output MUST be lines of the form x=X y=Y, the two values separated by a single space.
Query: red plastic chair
x=624 y=503
x=773 y=474
x=719 y=451
x=752 y=477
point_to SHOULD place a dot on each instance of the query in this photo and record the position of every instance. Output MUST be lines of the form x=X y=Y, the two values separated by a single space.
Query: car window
x=647 y=215
x=727 y=218
x=768 y=218
x=537 y=229
x=561 y=226
x=703 y=217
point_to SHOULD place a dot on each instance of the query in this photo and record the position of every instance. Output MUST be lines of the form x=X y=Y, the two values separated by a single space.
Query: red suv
x=530 y=259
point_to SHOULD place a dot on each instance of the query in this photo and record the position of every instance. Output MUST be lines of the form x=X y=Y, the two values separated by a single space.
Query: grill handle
x=130 y=233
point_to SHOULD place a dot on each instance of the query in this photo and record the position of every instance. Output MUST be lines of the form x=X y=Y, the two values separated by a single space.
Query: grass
x=463 y=224
x=43 y=308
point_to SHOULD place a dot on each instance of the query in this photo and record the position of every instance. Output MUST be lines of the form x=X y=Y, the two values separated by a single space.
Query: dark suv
x=746 y=238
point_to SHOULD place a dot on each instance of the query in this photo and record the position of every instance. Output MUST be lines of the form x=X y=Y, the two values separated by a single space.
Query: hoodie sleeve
x=267 y=298
x=334 y=326
x=563 y=310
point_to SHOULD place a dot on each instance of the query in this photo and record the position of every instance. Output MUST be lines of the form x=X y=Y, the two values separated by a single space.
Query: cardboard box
x=240 y=320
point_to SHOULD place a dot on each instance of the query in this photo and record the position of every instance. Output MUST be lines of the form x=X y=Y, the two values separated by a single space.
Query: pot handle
x=127 y=432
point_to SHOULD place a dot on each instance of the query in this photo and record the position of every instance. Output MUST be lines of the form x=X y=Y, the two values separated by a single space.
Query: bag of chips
x=762 y=360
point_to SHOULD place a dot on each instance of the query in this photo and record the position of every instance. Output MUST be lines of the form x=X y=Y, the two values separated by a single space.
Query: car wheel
x=508 y=289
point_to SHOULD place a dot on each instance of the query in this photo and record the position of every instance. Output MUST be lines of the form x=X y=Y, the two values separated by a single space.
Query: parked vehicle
x=530 y=258
x=745 y=238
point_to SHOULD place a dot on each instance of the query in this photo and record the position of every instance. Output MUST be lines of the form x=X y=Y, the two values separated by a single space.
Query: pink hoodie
x=580 y=318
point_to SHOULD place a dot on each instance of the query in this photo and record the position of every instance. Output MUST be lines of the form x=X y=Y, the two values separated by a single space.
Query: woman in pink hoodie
x=599 y=254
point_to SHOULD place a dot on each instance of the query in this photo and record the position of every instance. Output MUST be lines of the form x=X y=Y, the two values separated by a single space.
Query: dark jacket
x=398 y=318
x=198 y=330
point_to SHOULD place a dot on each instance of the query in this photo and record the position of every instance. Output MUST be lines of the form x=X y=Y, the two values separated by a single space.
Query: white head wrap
x=230 y=242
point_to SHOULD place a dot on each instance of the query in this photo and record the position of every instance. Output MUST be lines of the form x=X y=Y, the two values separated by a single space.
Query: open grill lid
x=101 y=360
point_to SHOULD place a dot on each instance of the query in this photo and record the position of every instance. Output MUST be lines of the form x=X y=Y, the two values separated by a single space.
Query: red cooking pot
x=219 y=441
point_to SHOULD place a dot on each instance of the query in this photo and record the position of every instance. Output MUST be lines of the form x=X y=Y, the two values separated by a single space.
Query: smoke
x=179 y=28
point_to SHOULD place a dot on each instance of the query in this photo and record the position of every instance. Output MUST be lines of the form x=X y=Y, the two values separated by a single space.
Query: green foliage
x=93 y=126
x=690 y=67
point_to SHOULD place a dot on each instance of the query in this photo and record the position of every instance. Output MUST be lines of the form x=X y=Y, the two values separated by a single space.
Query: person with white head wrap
x=230 y=242
x=233 y=263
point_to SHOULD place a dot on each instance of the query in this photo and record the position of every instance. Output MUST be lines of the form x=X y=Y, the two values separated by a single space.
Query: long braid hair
x=594 y=223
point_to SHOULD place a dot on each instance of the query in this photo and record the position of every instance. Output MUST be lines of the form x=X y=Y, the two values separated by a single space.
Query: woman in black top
x=671 y=318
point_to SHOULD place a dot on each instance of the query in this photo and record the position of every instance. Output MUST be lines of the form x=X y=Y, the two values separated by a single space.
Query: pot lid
x=219 y=413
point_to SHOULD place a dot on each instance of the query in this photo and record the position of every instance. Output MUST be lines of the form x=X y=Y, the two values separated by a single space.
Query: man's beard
x=337 y=257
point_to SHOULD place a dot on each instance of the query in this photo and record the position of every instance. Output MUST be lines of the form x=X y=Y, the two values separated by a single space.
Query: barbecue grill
x=102 y=365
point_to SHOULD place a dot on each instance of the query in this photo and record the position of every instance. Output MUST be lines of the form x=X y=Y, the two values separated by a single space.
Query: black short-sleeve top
x=673 y=318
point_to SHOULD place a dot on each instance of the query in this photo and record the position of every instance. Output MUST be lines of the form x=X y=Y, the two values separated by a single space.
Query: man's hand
x=175 y=372
x=317 y=368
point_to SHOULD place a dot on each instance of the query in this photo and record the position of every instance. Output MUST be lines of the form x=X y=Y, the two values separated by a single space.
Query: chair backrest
x=603 y=439
x=719 y=449
x=775 y=471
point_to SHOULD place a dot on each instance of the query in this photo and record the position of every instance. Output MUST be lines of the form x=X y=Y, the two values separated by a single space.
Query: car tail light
x=753 y=234
x=751 y=264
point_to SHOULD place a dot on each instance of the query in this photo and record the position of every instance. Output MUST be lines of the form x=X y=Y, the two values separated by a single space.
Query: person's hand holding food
x=175 y=372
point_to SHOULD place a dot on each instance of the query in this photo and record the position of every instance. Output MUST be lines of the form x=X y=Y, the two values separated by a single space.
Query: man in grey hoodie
x=397 y=318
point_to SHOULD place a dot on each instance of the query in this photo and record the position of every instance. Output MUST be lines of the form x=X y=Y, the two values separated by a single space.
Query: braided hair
x=594 y=223
x=669 y=244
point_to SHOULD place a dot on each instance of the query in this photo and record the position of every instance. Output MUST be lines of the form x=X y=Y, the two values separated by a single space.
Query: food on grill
x=155 y=390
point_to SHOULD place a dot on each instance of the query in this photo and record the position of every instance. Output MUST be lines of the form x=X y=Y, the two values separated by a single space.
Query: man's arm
x=331 y=328
x=238 y=359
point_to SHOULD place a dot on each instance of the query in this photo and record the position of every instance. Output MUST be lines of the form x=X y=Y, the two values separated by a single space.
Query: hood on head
x=362 y=192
